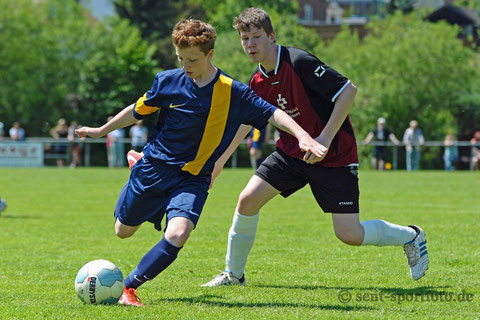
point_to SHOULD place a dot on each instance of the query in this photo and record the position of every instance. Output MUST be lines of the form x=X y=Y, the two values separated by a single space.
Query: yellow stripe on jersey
x=216 y=121
x=142 y=109
x=256 y=135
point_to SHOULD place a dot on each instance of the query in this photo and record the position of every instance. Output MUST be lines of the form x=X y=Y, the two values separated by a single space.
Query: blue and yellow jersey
x=196 y=125
x=257 y=137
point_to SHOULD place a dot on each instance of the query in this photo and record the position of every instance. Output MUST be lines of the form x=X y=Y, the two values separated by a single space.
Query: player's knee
x=122 y=234
x=178 y=237
x=246 y=196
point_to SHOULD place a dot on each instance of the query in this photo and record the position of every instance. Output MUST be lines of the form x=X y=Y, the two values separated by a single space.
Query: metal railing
x=48 y=142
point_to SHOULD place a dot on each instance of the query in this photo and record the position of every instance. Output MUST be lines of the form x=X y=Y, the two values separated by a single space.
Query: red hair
x=190 y=33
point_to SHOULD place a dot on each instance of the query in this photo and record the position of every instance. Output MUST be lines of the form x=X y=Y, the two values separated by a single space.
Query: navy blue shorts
x=155 y=188
x=335 y=189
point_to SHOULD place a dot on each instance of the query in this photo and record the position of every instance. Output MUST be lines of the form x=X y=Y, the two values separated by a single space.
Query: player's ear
x=210 y=53
x=273 y=36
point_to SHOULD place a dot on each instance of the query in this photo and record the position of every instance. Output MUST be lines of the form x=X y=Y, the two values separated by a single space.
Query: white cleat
x=225 y=278
x=417 y=255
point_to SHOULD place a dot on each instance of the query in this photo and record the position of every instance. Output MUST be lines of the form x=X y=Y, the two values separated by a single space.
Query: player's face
x=193 y=61
x=257 y=44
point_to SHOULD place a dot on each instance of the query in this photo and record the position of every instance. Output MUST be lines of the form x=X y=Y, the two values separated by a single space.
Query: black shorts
x=380 y=152
x=335 y=189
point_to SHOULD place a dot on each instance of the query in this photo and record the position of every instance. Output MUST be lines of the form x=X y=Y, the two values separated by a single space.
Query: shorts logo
x=345 y=203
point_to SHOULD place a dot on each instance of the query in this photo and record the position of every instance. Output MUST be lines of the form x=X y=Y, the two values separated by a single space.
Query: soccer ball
x=99 y=282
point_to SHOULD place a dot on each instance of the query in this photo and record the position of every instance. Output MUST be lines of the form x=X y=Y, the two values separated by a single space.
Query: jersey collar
x=276 y=67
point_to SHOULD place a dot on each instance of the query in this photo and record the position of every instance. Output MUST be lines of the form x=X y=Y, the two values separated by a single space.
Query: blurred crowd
x=413 y=140
x=69 y=142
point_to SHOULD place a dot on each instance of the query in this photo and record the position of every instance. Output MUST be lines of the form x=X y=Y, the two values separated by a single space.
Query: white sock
x=383 y=233
x=240 y=241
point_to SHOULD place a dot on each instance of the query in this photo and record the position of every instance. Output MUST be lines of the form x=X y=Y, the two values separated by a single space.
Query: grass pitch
x=57 y=220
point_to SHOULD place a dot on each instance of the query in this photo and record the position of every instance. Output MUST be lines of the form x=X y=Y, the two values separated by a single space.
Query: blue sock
x=155 y=261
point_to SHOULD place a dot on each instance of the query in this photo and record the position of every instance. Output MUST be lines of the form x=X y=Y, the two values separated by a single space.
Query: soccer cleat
x=417 y=255
x=133 y=157
x=225 y=278
x=130 y=298
x=3 y=205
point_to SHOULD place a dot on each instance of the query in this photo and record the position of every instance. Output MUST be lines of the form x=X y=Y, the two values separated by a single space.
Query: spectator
x=476 y=149
x=2 y=131
x=16 y=132
x=115 y=148
x=450 y=154
x=138 y=133
x=413 y=140
x=382 y=135
x=77 y=147
x=255 y=141
x=60 y=132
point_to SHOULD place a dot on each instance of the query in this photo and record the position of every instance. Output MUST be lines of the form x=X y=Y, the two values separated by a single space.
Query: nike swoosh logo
x=176 y=105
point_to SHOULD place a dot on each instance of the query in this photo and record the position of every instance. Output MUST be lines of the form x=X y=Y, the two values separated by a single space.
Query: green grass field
x=57 y=220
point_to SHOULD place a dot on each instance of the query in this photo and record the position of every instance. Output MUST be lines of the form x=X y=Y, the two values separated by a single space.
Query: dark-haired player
x=318 y=98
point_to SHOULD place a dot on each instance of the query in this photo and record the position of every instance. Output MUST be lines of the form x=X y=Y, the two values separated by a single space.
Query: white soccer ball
x=99 y=282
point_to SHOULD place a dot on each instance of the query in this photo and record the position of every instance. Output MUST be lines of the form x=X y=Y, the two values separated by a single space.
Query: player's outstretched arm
x=122 y=119
x=314 y=151
x=239 y=136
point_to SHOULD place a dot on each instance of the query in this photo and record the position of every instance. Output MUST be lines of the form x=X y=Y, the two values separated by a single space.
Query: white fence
x=33 y=152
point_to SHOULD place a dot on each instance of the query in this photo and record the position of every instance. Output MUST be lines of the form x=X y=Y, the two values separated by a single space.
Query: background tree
x=405 y=6
x=155 y=19
x=470 y=4
x=407 y=68
x=58 y=61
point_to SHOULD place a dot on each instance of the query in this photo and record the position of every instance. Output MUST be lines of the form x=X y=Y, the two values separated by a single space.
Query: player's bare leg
x=178 y=231
x=123 y=231
x=347 y=228
x=254 y=196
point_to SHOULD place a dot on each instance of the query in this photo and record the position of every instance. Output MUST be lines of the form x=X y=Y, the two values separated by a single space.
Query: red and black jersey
x=306 y=89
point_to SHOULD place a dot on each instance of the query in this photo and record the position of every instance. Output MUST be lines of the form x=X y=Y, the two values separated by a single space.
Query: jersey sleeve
x=319 y=77
x=150 y=101
x=256 y=111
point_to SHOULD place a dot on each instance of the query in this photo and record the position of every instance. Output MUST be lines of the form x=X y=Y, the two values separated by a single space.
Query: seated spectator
x=450 y=154
x=476 y=149
x=16 y=132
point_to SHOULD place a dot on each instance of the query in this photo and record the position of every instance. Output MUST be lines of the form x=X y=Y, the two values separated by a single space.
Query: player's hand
x=314 y=151
x=84 y=132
